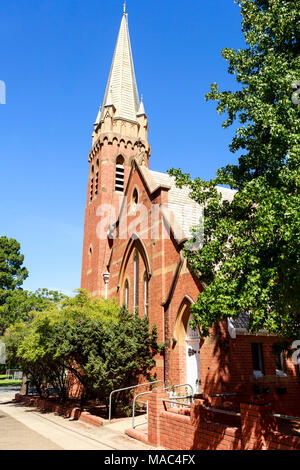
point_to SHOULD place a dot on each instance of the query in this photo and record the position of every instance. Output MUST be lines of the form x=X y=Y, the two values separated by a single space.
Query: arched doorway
x=186 y=345
x=192 y=340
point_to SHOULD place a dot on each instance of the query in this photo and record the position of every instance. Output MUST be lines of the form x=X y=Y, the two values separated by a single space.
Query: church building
x=136 y=224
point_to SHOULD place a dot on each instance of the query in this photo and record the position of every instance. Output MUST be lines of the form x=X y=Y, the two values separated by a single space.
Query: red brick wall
x=226 y=363
x=257 y=429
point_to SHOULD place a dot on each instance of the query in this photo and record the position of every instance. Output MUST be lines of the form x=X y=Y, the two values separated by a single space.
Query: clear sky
x=55 y=58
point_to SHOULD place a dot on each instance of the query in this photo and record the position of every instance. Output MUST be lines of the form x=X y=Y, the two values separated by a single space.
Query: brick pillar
x=257 y=426
x=155 y=407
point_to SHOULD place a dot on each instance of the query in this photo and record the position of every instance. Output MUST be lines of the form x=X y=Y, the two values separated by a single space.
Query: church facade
x=136 y=224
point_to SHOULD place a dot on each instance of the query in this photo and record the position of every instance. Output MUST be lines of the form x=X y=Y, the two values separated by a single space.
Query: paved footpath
x=24 y=428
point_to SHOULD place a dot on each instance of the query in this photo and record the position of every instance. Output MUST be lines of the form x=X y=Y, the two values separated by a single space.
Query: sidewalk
x=25 y=428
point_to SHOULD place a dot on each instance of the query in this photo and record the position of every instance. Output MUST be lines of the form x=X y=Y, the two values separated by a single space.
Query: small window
x=134 y=200
x=146 y=295
x=257 y=359
x=126 y=297
x=279 y=364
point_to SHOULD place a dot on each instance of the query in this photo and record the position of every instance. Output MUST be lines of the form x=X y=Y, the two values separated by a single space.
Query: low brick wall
x=65 y=410
x=256 y=429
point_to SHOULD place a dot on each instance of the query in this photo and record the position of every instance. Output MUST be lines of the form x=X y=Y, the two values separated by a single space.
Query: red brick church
x=136 y=224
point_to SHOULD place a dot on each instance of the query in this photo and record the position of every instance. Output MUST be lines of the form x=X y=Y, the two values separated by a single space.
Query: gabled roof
x=121 y=82
x=183 y=213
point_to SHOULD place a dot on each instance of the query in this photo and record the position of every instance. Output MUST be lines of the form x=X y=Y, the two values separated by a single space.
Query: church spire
x=121 y=88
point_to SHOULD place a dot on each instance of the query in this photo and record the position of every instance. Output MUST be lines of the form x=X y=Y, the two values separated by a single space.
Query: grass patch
x=7 y=382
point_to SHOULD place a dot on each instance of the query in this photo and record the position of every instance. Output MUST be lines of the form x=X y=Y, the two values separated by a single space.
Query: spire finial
x=124 y=8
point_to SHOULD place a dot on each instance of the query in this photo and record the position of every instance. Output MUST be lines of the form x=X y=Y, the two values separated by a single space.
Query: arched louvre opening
x=119 y=181
x=92 y=183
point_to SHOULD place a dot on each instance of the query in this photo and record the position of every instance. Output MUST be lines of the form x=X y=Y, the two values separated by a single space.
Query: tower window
x=119 y=182
x=136 y=281
x=92 y=189
x=96 y=183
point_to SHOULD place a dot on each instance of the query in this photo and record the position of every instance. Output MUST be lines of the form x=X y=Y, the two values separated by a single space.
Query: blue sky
x=55 y=58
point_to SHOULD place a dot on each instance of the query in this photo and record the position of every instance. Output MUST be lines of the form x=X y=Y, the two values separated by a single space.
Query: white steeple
x=121 y=89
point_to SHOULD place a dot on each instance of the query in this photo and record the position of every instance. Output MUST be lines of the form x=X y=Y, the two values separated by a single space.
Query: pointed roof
x=141 y=110
x=121 y=83
x=98 y=117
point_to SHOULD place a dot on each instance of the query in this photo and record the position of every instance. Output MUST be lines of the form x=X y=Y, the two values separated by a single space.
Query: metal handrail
x=219 y=410
x=128 y=388
x=216 y=410
x=181 y=385
x=290 y=418
x=176 y=402
x=133 y=406
x=183 y=398
x=223 y=395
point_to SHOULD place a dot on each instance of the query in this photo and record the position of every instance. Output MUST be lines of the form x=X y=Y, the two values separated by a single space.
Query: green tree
x=251 y=255
x=20 y=305
x=12 y=271
x=12 y=275
x=94 y=340
x=108 y=357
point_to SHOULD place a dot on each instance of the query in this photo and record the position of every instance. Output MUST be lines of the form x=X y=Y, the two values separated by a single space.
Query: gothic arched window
x=136 y=280
x=126 y=296
x=146 y=295
x=119 y=182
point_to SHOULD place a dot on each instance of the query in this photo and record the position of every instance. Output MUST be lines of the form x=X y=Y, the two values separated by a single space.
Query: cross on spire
x=124 y=8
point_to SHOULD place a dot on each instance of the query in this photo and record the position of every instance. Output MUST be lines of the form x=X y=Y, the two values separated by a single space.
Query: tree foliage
x=94 y=340
x=20 y=305
x=12 y=273
x=251 y=255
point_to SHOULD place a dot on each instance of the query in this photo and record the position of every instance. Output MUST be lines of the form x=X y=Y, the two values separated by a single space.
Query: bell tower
x=120 y=134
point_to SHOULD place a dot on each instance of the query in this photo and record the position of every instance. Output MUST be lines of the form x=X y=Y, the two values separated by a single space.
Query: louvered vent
x=119 y=185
